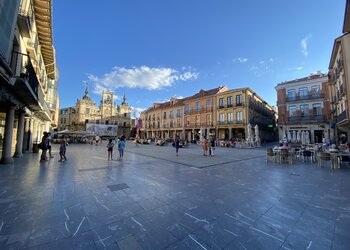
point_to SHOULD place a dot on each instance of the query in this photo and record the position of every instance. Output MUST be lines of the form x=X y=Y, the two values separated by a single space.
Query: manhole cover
x=118 y=187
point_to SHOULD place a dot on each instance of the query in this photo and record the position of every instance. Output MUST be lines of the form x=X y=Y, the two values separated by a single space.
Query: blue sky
x=153 y=50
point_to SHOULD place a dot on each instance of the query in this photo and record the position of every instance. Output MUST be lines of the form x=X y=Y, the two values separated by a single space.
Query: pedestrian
x=123 y=138
x=49 y=138
x=63 y=145
x=211 y=147
x=205 y=146
x=44 y=146
x=97 y=138
x=121 y=146
x=110 y=147
x=177 y=145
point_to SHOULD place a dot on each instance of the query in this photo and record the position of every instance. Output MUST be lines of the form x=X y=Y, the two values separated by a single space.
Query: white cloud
x=142 y=77
x=262 y=62
x=240 y=59
x=304 y=44
x=299 y=68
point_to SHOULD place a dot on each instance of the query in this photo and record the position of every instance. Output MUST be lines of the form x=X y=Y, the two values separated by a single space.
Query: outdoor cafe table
x=336 y=158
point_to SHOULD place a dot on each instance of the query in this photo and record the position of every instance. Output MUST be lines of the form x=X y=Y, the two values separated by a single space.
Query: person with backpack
x=110 y=147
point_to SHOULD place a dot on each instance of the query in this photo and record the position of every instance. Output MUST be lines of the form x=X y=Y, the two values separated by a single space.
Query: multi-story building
x=303 y=105
x=339 y=73
x=200 y=113
x=210 y=113
x=237 y=108
x=85 y=111
x=163 y=120
x=28 y=74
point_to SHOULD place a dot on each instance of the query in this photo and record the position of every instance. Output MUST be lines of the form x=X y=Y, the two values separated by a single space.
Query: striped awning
x=43 y=17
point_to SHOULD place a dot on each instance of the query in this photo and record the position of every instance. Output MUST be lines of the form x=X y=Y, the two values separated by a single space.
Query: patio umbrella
x=303 y=137
x=249 y=134
x=257 y=135
x=294 y=136
x=307 y=137
x=298 y=136
x=289 y=136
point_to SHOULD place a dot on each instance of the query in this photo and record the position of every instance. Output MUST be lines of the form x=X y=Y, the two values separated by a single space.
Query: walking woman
x=177 y=145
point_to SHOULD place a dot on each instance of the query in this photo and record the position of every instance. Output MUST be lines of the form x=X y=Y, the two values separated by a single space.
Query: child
x=63 y=150
x=110 y=146
x=121 y=146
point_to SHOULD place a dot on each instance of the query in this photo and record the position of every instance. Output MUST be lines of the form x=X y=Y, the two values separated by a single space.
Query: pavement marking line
x=65 y=212
x=65 y=223
x=197 y=242
x=98 y=236
x=267 y=234
x=98 y=201
x=308 y=247
x=245 y=216
x=100 y=158
x=138 y=223
x=3 y=192
x=237 y=219
x=231 y=232
x=196 y=219
x=91 y=169
x=286 y=248
x=79 y=226
x=242 y=246
x=2 y=223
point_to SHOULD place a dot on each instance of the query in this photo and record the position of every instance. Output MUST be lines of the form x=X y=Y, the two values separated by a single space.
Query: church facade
x=86 y=112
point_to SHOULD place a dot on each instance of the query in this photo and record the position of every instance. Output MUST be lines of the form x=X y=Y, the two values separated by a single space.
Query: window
x=107 y=122
x=238 y=99
x=303 y=92
x=315 y=90
x=187 y=120
x=124 y=114
x=221 y=102
x=87 y=111
x=221 y=118
x=304 y=109
x=171 y=115
x=291 y=94
x=229 y=101
x=171 y=123
x=208 y=102
x=164 y=115
x=187 y=108
x=198 y=120
x=179 y=123
x=198 y=107
x=229 y=117
x=209 y=120
x=317 y=108
x=86 y=120
x=179 y=113
x=239 y=116
x=292 y=110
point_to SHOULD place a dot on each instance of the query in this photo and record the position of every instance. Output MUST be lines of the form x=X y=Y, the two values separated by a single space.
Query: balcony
x=25 y=20
x=233 y=122
x=27 y=88
x=307 y=118
x=343 y=116
x=231 y=105
x=310 y=96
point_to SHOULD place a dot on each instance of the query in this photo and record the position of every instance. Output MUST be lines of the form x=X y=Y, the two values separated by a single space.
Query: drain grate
x=118 y=187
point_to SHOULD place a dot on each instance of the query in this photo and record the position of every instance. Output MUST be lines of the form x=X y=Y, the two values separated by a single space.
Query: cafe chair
x=270 y=156
x=344 y=159
x=307 y=154
x=324 y=157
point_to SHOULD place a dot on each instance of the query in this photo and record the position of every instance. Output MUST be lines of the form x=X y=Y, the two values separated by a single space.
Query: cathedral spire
x=86 y=96
x=124 y=100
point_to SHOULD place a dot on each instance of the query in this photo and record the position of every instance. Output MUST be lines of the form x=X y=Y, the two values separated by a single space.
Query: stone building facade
x=85 y=111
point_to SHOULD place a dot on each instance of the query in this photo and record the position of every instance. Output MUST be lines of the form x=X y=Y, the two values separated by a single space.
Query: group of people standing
x=121 y=146
x=45 y=145
x=208 y=146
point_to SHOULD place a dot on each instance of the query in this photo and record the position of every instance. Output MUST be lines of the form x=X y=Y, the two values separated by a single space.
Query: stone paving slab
x=155 y=200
